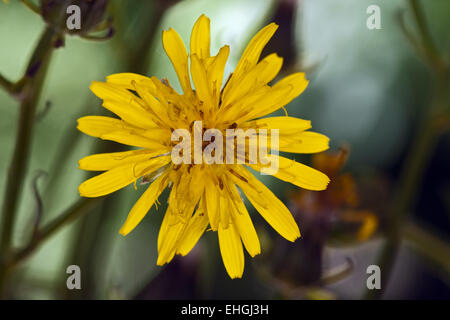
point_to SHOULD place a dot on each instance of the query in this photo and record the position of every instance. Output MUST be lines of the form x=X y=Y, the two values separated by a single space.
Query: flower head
x=203 y=193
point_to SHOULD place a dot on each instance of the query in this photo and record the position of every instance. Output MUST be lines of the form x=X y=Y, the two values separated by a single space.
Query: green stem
x=81 y=207
x=425 y=34
x=35 y=74
x=29 y=97
x=430 y=246
x=415 y=166
x=431 y=51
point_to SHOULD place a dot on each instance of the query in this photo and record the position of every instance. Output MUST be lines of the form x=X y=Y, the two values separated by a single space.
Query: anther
x=238 y=175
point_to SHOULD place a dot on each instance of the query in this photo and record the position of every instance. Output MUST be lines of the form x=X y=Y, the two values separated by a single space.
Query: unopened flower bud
x=74 y=16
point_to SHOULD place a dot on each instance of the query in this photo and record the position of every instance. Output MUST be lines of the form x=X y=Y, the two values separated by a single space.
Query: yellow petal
x=182 y=202
x=305 y=142
x=170 y=233
x=212 y=203
x=97 y=126
x=264 y=72
x=224 y=208
x=166 y=95
x=132 y=139
x=272 y=66
x=109 y=91
x=261 y=103
x=252 y=52
x=215 y=71
x=154 y=105
x=184 y=195
x=297 y=84
x=107 y=161
x=176 y=51
x=267 y=204
x=143 y=205
x=288 y=126
x=255 y=104
x=161 y=135
x=244 y=224
x=200 y=37
x=231 y=251
x=116 y=130
x=297 y=173
x=130 y=112
x=119 y=177
x=123 y=103
x=239 y=112
x=124 y=80
x=200 y=80
x=292 y=135
x=195 y=229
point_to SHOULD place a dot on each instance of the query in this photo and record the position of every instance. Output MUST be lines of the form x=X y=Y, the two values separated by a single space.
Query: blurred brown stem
x=417 y=157
x=6 y=84
x=13 y=88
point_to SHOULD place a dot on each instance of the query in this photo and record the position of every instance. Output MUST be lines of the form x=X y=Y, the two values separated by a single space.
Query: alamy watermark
x=374 y=280
x=373 y=21
x=74 y=20
x=74 y=280
x=211 y=146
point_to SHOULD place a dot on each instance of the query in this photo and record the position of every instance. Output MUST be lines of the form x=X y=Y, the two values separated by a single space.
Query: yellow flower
x=202 y=194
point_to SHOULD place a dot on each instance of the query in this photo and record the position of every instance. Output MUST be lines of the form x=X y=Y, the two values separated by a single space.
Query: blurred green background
x=367 y=90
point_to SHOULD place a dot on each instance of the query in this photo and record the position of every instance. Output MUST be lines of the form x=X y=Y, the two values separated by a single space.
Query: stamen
x=220 y=183
x=237 y=175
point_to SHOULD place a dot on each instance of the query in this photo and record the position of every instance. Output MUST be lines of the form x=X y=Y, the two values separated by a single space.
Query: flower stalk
x=29 y=97
x=27 y=91
x=77 y=210
x=422 y=240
